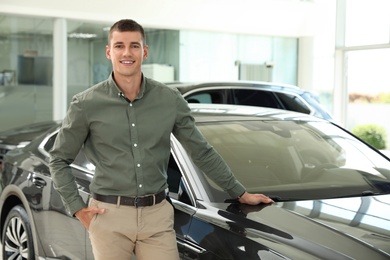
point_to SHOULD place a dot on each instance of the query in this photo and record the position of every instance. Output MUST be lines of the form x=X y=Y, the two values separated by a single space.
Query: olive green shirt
x=129 y=142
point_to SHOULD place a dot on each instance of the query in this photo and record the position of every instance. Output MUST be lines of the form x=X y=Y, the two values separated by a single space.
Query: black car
x=331 y=192
x=254 y=93
x=21 y=136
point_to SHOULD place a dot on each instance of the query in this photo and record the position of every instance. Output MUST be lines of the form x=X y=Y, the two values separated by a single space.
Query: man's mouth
x=127 y=62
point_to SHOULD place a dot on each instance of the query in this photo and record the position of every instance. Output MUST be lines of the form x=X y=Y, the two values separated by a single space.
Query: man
x=124 y=124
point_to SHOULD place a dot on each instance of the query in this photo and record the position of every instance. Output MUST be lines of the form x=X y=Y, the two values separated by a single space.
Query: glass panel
x=255 y=98
x=369 y=88
x=209 y=97
x=200 y=98
x=26 y=64
x=204 y=58
x=87 y=62
x=296 y=160
x=26 y=70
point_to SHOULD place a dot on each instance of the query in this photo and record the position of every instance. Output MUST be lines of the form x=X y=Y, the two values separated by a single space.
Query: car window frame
x=192 y=182
x=229 y=92
x=301 y=102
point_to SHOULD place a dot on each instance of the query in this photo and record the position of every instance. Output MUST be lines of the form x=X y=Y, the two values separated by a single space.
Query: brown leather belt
x=141 y=201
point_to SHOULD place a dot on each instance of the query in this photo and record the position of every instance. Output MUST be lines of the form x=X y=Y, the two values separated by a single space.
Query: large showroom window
x=367 y=55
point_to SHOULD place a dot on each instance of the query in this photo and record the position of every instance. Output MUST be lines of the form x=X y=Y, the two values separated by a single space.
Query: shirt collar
x=141 y=91
x=143 y=87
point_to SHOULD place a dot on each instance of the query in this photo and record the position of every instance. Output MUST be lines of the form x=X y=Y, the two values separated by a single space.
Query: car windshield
x=296 y=160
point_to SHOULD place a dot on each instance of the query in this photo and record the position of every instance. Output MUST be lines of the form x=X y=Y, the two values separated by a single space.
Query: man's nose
x=127 y=51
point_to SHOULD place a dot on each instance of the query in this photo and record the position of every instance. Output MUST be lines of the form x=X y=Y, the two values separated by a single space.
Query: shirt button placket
x=135 y=149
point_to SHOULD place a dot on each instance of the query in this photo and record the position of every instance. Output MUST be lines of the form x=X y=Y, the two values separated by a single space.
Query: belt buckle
x=136 y=199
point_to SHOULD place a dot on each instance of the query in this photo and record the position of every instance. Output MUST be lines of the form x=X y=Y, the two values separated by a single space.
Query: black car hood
x=347 y=228
x=24 y=134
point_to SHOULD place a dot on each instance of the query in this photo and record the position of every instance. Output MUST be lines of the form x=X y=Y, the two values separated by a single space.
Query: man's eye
x=117 y=46
x=135 y=46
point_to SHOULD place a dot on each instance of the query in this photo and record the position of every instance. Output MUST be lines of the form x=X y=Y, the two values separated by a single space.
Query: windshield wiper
x=369 y=193
x=365 y=193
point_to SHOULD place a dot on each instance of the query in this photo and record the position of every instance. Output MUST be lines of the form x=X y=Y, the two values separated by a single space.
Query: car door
x=61 y=234
x=185 y=208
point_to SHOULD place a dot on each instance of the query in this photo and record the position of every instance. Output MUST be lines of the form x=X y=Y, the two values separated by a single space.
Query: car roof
x=185 y=87
x=309 y=98
x=222 y=112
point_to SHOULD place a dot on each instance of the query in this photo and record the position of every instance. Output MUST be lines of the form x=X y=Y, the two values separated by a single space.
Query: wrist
x=239 y=198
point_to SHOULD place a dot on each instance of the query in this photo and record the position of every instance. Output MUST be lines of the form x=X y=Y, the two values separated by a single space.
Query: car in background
x=254 y=93
x=331 y=193
x=21 y=136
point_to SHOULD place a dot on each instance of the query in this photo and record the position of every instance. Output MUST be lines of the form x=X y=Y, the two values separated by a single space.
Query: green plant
x=384 y=98
x=373 y=134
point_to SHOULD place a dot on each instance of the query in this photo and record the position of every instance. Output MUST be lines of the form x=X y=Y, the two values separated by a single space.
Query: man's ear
x=108 y=54
x=146 y=52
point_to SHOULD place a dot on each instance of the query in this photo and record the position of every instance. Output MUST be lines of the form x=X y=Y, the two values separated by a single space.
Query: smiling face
x=126 y=50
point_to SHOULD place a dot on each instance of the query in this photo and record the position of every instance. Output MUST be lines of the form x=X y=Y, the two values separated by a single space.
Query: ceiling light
x=82 y=35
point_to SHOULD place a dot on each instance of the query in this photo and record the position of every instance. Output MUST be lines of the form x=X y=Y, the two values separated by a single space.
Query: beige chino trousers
x=121 y=231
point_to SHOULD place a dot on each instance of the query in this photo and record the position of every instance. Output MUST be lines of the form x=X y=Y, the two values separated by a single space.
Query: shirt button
x=138 y=165
x=135 y=145
x=131 y=104
x=133 y=124
x=140 y=186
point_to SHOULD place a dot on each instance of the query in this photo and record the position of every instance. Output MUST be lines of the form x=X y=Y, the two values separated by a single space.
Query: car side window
x=293 y=103
x=177 y=189
x=208 y=97
x=50 y=142
x=252 y=97
x=174 y=176
x=200 y=98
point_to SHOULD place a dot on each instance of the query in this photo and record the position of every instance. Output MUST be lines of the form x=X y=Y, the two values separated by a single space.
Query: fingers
x=85 y=215
x=267 y=199
x=260 y=198
x=254 y=199
x=95 y=210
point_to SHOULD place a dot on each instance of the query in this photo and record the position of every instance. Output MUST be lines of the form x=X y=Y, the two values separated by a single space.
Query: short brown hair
x=127 y=25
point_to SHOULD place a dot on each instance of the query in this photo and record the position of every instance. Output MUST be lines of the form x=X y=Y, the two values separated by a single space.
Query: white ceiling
x=29 y=25
x=293 y=18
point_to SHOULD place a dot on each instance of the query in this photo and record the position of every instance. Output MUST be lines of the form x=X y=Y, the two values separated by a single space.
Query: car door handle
x=39 y=182
x=193 y=247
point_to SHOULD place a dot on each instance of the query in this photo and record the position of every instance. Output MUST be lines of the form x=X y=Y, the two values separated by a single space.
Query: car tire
x=17 y=236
